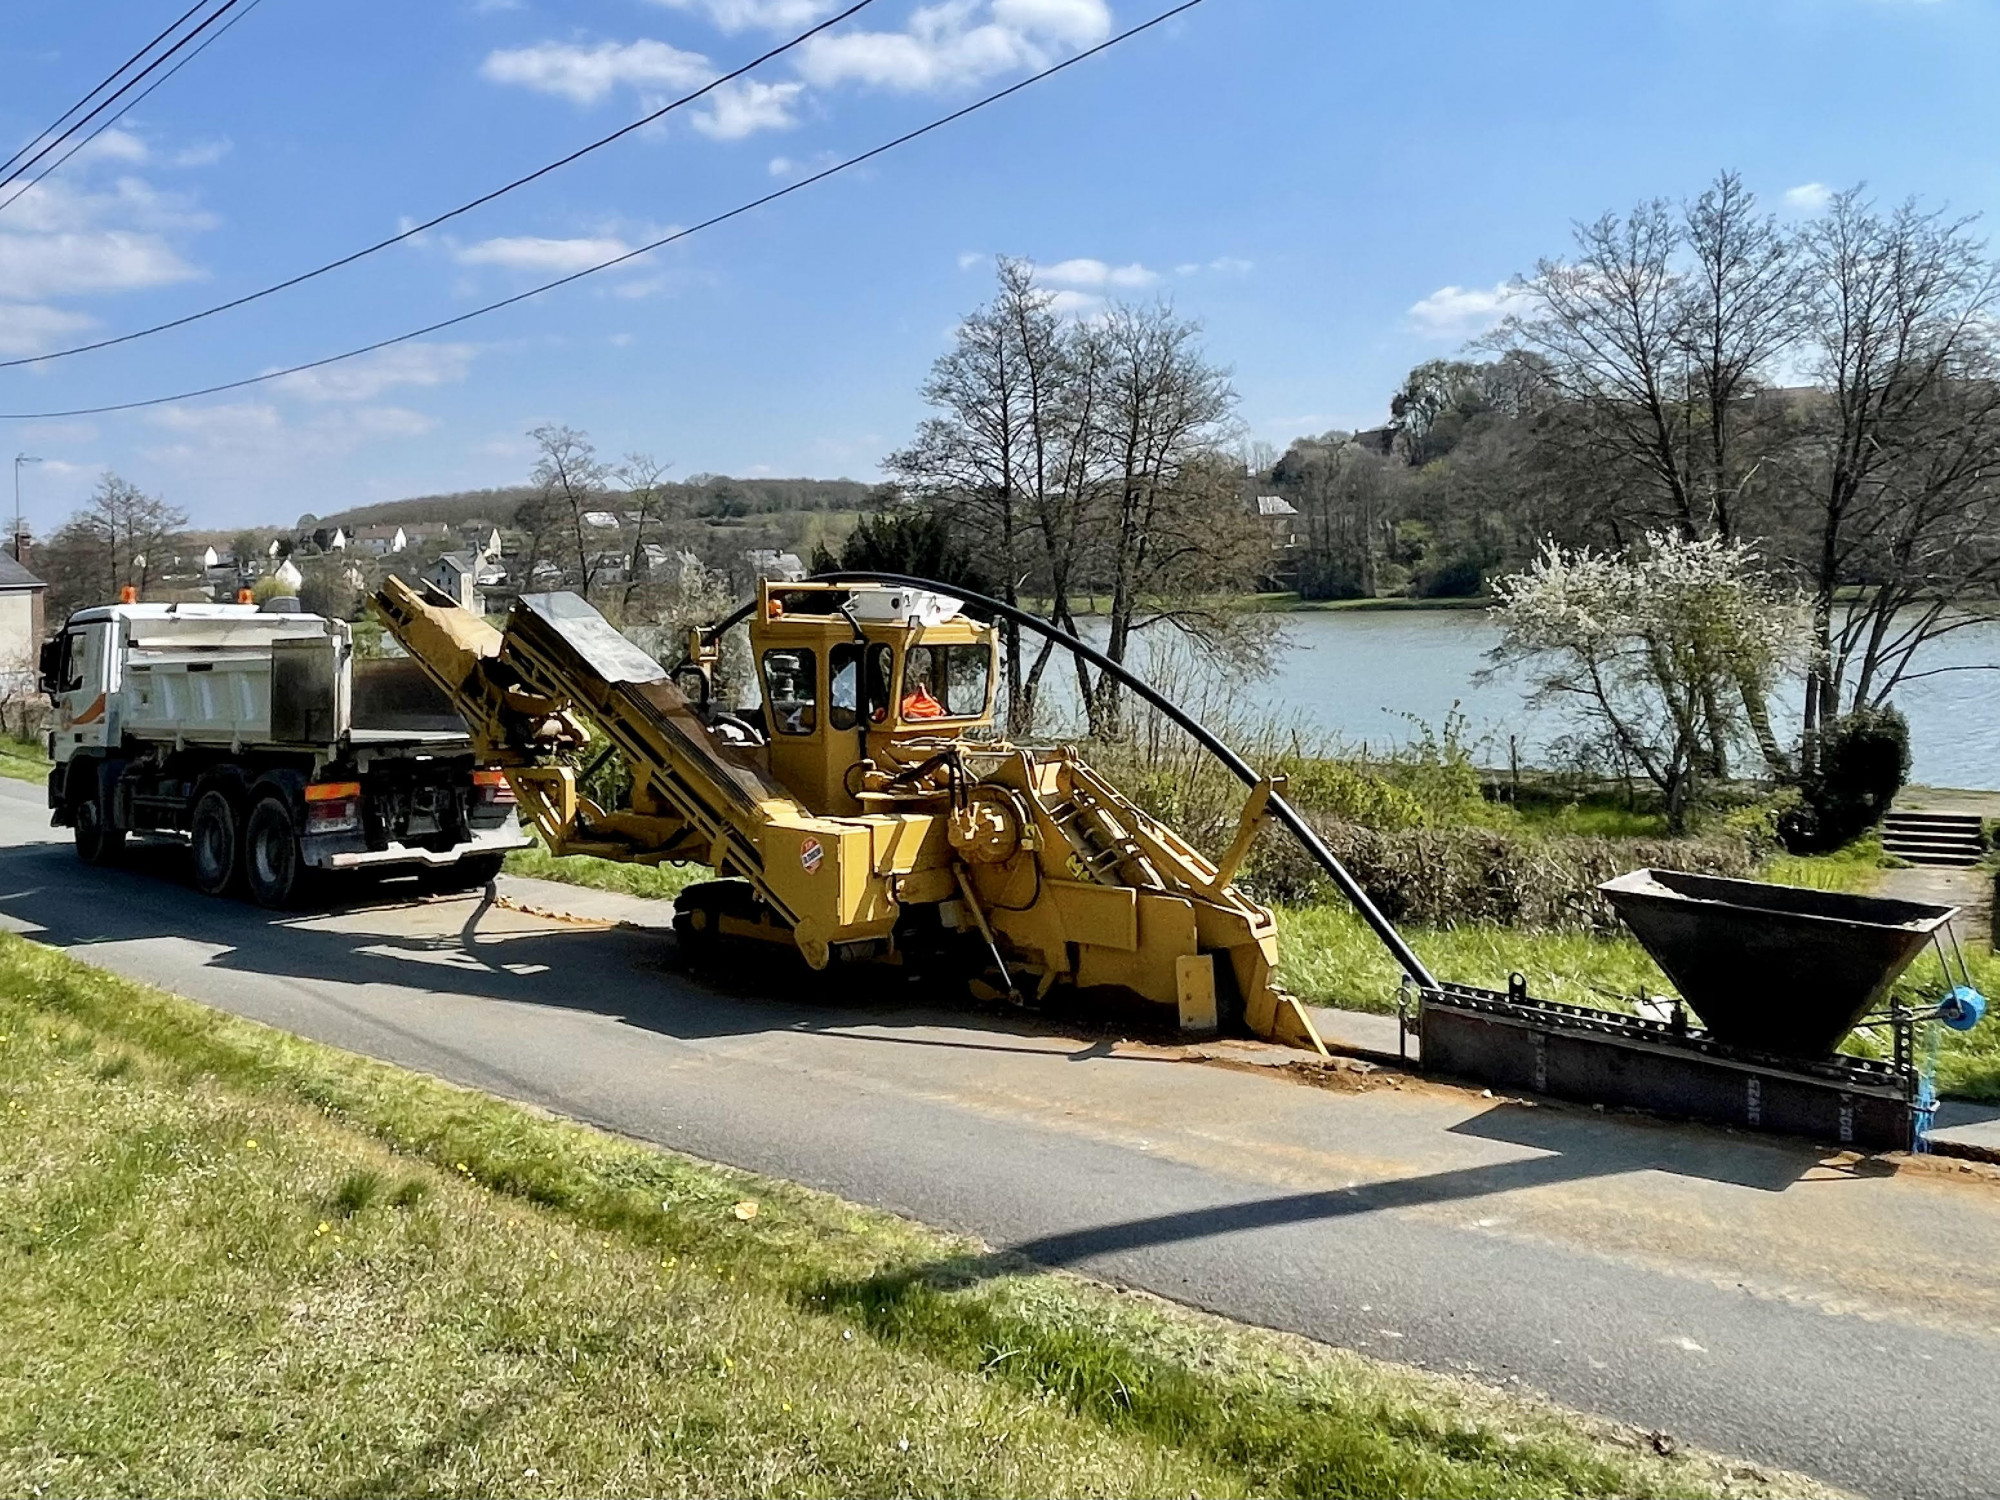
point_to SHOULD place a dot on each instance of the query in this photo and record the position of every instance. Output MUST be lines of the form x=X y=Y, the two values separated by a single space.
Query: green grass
x=236 y=1262
x=24 y=760
x=1604 y=820
x=1330 y=957
x=1853 y=869
x=661 y=882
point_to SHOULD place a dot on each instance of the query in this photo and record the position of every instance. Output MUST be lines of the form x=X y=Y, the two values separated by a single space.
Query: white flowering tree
x=1652 y=648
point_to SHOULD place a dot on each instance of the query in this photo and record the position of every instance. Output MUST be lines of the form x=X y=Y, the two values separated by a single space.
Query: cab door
x=86 y=711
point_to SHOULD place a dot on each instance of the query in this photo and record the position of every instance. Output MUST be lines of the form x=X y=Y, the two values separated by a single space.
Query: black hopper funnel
x=1773 y=968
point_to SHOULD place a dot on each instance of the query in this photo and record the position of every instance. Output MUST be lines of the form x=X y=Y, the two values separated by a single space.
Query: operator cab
x=865 y=673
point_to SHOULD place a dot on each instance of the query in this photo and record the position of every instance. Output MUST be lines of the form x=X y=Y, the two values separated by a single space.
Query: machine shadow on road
x=383 y=934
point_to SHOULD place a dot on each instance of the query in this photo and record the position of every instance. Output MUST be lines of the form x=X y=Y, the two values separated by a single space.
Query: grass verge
x=239 y=1262
x=661 y=882
x=1332 y=958
x=23 y=760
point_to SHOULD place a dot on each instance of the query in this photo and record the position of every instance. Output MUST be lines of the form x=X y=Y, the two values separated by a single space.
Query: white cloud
x=1459 y=312
x=585 y=75
x=741 y=15
x=29 y=329
x=202 y=153
x=1809 y=197
x=746 y=107
x=955 y=43
x=968 y=259
x=1073 y=304
x=1087 y=273
x=365 y=379
x=1232 y=265
x=69 y=264
x=115 y=144
x=529 y=253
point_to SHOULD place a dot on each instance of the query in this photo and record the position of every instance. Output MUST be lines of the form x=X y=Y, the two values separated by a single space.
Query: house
x=326 y=539
x=481 y=539
x=466 y=576
x=787 y=567
x=600 y=520
x=290 y=579
x=23 y=597
x=1281 y=519
x=380 y=541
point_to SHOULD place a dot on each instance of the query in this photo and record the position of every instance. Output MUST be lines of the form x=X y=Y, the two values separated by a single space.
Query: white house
x=21 y=603
x=288 y=575
x=465 y=576
x=601 y=520
x=380 y=541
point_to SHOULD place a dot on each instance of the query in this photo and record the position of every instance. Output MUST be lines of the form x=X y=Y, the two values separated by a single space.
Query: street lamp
x=19 y=459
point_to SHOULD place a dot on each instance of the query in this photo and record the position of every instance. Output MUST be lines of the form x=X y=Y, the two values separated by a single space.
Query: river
x=1363 y=675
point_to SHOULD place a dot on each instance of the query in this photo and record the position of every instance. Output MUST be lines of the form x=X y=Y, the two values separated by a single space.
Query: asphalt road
x=1740 y=1293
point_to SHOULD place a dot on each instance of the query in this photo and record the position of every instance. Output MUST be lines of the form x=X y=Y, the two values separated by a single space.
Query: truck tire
x=273 y=864
x=97 y=843
x=217 y=845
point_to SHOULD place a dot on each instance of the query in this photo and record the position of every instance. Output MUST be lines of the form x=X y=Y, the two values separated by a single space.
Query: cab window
x=791 y=690
x=843 y=686
x=945 y=682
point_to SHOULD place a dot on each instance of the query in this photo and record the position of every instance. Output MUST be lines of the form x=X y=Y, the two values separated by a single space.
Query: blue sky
x=1336 y=190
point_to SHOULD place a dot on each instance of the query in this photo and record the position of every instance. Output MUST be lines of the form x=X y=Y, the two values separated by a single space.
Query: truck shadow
x=387 y=935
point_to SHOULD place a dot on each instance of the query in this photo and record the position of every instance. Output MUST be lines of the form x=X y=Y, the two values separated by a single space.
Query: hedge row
x=1449 y=877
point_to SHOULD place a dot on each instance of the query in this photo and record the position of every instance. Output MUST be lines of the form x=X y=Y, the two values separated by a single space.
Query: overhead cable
x=631 y=255
x=131 y=104
x=431 y=223
x=115 y=75
x=21 y=167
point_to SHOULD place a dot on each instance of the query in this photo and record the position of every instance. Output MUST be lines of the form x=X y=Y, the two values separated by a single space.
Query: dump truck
x=866 y=810
x=257 y=735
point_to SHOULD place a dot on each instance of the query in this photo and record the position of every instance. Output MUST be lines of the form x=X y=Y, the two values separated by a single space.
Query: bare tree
x=650 y=498
x=571 y=483
x=1176 y=533
x=119 y=538
x=1897 y=476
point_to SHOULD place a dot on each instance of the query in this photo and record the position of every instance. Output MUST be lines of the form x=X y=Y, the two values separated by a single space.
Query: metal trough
x=1775 y=969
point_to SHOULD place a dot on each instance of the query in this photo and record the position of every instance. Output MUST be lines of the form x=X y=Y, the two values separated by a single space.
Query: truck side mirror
x=51 y=665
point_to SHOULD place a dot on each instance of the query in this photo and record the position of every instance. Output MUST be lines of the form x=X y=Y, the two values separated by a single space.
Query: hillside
x=705 y=495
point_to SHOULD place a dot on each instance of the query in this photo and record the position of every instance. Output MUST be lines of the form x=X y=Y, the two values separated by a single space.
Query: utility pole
x=19 y=459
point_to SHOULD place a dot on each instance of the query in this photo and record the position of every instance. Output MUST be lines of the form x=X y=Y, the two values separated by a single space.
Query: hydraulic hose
x=1278 y=807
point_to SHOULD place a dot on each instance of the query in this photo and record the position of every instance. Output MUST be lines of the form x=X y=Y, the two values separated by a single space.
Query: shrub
x=1449 y=877
x=1864 y=759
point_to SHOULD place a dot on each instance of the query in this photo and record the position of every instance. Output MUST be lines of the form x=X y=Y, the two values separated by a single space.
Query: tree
x=120 y=538
x=1006 y=459
x=1081 y=457
x=1646 y=647
x=570 y=482
x=1894 y=479
x=905 y=539
x=650 y=498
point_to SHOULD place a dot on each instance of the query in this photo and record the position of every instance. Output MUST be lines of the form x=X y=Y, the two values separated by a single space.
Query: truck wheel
x=96 y=842
x=272 y=863
x=218 y=848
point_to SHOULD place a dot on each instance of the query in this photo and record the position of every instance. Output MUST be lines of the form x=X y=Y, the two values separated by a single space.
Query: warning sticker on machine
x=810 y=854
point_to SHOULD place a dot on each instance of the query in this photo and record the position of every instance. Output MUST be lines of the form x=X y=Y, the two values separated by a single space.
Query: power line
x=115 y=74
x=136 y=100
x=618 y=260
x=432 y=223
x=130 y=83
